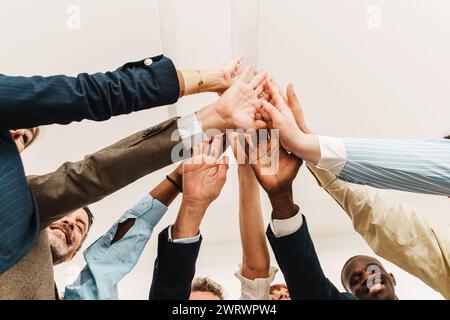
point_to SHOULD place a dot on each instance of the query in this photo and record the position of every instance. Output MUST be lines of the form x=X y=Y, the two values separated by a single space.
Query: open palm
x=203 y=175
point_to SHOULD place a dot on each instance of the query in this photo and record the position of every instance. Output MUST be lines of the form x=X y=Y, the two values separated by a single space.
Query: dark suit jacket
x=74 y=185
x=27 y=102
x=174 y=269
x=300 y=265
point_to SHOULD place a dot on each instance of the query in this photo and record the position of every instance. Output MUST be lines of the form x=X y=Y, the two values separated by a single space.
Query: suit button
x=148 y=61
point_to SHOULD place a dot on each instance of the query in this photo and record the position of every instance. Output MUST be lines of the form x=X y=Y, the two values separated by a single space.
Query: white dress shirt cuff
x=333 y=155
x=183 y=240
x=282 y=228
x=190 y=131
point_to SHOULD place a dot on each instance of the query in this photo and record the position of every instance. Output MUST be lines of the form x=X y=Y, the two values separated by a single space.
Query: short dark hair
x=90 y=216
x=208 y=285
x=91 y=222
x=447 y=137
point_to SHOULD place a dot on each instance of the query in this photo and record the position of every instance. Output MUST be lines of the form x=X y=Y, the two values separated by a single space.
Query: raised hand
x=239 y=105
x=275 y=168
x=203 y=175
x=296 y=108
x=279 y=115
x=228 y=73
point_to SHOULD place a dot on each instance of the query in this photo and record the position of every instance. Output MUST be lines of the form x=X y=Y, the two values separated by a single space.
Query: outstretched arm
x=255 y=254
x=419 y=166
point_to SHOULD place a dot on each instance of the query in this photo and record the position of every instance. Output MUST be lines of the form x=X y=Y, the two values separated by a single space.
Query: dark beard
x=57 y=256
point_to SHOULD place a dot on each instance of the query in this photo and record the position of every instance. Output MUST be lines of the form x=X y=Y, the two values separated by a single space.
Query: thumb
x=223 y=167
x=260 y=124
x=271 y=110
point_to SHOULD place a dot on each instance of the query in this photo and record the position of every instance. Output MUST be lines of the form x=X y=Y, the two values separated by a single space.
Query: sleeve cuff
x=282 y=228
x=184 y=240
x=333 y=155
x=190 y=131
x=257 y=289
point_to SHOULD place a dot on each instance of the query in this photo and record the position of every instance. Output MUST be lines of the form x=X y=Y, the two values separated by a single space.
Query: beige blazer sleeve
x=394 y=230
x=77 y=184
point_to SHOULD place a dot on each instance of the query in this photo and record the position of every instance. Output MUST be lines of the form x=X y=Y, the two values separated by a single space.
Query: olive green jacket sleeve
x=77 y=184
x=394 y=231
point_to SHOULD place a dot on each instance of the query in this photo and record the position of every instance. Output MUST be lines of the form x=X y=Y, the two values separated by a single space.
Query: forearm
x=198 y=81
x=27 y=102
x=188 y=221
x=413 y=165
x=307 y=147
x=166 y=192
x=209 y=119
x=256 y=259
x=75 y=185
x=283 y=206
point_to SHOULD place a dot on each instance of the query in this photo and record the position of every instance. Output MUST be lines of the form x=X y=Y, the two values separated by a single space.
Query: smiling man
x=366 y=278
x=66 y=236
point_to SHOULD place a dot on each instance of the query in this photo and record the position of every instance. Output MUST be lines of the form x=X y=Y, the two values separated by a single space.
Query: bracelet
x=200 y=82
x=174 y=183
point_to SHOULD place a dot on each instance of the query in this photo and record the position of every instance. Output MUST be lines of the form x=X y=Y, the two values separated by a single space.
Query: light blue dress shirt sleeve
x=421 y=166
x=107 y=264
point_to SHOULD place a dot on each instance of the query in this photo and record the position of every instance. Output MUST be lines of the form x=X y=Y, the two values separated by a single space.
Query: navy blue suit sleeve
x=27 y=102
x=300 y=265
x=174 y=269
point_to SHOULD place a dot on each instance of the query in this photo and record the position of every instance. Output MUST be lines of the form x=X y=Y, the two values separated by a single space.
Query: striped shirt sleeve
x=420 y=166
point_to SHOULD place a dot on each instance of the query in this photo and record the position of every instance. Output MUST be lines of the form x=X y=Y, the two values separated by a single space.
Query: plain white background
x=353 y=80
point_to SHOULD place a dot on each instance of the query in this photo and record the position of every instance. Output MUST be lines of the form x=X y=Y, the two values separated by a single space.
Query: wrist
x=194 y=207
x=176 y=178
x=214 y=81
x=306 y=147
x=188 y=220
x=283 y=206
x=210 y=118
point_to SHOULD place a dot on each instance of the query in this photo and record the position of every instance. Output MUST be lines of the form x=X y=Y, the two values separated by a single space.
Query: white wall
x=352 y=80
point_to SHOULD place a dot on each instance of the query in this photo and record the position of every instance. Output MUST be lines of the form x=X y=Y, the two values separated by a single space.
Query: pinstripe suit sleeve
x=27 y=102
x=420 y=166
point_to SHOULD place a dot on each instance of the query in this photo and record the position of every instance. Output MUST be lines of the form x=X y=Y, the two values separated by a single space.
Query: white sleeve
x=258 y=289
x=332 y=154
x=190 y=131
x=281 y=228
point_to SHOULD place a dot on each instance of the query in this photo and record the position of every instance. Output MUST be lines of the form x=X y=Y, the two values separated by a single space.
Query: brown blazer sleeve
x=77 y=184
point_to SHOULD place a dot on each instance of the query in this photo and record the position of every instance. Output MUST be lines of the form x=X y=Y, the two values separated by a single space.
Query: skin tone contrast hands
x=281 y=116
x=278 y=184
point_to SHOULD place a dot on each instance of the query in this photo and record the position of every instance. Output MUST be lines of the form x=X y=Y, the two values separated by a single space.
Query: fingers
x=236 y=65
x=293 y=102
x=245 y=74
x=296 y=109
x=259 y=89
x=215 y=146
x=276 y=97
x=238 y=149
x=280 y=91
x=222 y=168
x=260 y=124
x=258 y=80
x=270 y=109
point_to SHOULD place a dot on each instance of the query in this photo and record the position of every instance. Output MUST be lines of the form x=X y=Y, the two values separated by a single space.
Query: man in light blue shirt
x=115 y=254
